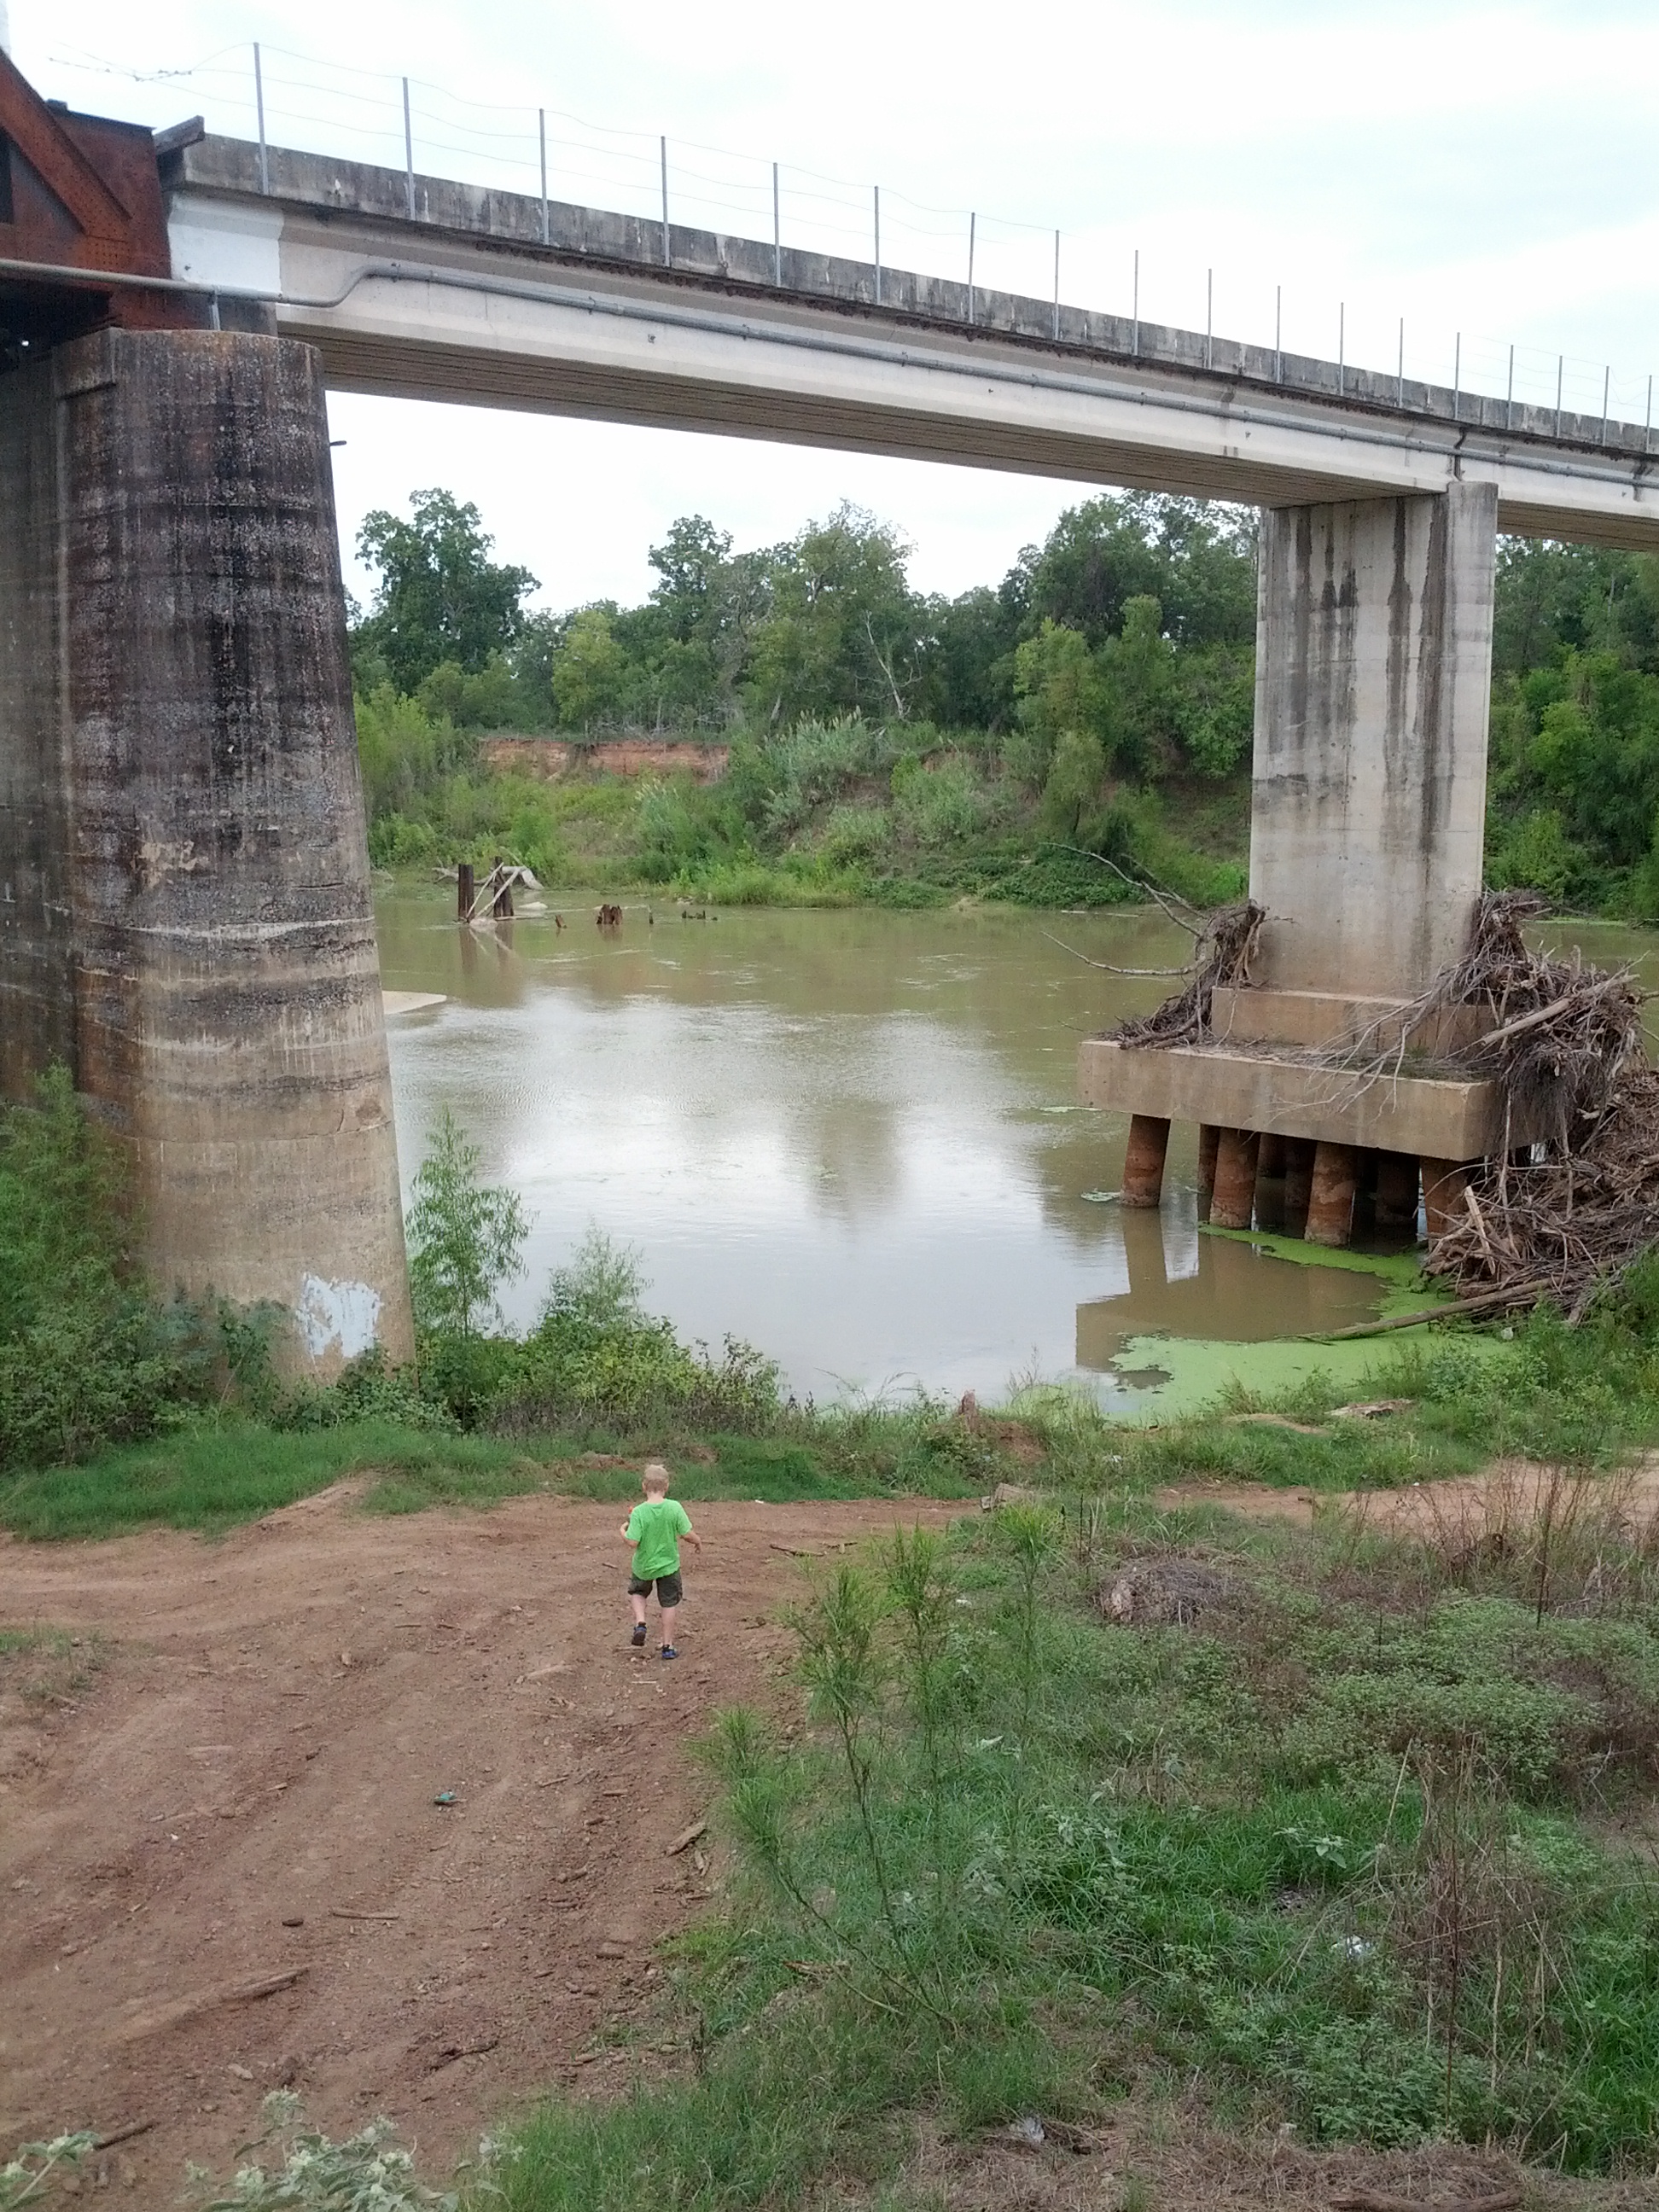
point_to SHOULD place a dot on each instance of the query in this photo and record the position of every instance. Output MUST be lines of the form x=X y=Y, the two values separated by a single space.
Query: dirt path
x=257 y=1747
x=1507 y=1494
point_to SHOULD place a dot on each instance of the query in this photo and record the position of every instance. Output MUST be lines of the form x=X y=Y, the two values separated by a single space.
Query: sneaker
x=637 y=1639
x=668 y=1652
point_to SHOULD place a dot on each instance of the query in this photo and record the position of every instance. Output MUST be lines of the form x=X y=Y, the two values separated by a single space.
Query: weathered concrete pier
x=1373 y=679
x=185 y=915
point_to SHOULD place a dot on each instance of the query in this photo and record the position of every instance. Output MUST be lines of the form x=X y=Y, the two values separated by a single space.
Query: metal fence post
x=777 y=231
x=541 y=129
x=972 y=222
x=1560 y=372
x=1647 y=427
x=1607 y=394
x=1341 y=349
x=1509 y=403
x=667 y=252
x=1400 y=396
x=1209 y=319
x=1136 y=348
x=409 y=152
x=259 y=105
x=877 y=194
x=1057 y=297
x=1279 y=334
x=1457 y=379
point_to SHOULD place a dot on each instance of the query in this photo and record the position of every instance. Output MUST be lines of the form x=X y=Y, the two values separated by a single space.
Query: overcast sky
x=1491 y=169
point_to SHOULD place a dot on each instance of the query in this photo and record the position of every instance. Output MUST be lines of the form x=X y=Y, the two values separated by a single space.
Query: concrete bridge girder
x=461 y=302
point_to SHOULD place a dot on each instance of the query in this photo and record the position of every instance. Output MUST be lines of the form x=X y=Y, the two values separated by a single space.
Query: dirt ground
x=244 y=1770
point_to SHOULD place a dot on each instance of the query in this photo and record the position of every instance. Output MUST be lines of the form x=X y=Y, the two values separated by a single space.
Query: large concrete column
x=1373 y=684
x=184 y=909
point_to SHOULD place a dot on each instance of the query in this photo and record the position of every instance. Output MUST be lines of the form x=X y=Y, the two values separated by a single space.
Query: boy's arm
x=691 y=1535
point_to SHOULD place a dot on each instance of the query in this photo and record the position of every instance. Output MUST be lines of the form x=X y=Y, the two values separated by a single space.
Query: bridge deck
x=611 y=318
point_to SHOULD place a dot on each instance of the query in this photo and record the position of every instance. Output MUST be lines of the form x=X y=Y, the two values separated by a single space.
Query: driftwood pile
x=1564 y=1216
x=1568 y=1222
x=1224 y=951
x=1570 y=1197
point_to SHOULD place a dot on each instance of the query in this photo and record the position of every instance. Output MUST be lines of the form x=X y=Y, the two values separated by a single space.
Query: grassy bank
x=1585 y=1398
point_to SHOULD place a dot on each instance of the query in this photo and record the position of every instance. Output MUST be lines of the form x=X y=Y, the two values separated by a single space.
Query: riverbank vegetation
x=888 y=745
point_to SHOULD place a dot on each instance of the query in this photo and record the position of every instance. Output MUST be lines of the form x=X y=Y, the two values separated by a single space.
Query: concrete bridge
x=184 y=912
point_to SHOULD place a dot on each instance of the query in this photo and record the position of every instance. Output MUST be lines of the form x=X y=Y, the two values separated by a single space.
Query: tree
x=689 y=563
x=466 y=1238
x=844 y=629
x=1058 y=686
x=440 y=597
x=590 y=668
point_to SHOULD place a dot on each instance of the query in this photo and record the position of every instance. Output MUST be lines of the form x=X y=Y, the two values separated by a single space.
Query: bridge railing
x=282 y=98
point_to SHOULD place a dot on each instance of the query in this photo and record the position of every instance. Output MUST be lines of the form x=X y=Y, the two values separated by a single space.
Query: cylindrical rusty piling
x=1270 y=1183
x=1397 y=1195
x=463 y=892
x=1330 y=1199
x=1209 y=1137
x=1143 y=1162
x=1232 y=1204
x=1444 y=1182
x=1299 y=1184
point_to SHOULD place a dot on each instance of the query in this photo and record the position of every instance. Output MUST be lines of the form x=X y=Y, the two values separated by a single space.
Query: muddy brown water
x=852 y=1138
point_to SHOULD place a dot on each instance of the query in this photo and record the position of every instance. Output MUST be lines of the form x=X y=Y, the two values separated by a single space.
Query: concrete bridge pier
x=1368 y=806
x=184 y=914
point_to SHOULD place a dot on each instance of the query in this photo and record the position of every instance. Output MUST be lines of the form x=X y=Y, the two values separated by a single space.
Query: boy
x=655 y=1530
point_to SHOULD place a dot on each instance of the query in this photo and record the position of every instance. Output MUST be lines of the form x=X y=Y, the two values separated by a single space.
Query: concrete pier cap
x=187 y=920
x=1368 y=806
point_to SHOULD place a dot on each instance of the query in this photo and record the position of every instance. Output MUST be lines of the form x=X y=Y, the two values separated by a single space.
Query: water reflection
x=851 y=1137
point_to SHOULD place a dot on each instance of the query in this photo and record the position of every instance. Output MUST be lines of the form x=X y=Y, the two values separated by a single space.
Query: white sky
x=1489 y=169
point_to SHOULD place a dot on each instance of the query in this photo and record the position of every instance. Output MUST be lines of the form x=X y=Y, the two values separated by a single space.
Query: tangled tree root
x=1224 y=953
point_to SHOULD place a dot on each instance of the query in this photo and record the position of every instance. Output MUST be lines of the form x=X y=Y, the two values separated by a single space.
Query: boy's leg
x=636 y=1600
x=668 y=1604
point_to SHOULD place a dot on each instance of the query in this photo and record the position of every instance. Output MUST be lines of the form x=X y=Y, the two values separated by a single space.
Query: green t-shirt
x=655 y=1530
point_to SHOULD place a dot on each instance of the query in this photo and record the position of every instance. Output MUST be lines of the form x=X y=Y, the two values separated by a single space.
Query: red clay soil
x=244 y=1772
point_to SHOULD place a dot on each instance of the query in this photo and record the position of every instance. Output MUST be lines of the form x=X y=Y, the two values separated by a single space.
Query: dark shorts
x=667 y=1588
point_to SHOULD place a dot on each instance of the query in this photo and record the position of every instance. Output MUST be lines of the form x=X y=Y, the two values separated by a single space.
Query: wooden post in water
x=463 y=892
x=1143 y=1163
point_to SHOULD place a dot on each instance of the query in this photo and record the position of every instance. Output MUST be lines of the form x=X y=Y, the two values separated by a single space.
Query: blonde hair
x=656 y=1477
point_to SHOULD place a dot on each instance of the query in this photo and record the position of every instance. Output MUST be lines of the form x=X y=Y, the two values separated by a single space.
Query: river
x=851 y=1137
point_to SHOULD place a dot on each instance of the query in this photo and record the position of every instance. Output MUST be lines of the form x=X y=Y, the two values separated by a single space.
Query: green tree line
x=889 y=742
